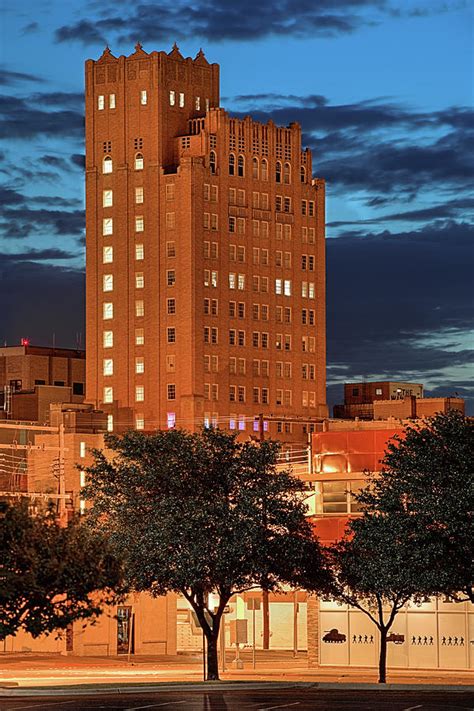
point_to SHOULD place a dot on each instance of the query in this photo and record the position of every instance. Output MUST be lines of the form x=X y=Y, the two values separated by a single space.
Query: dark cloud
x=19 y=119
x=24 y=222
x=400 y=305
x=7 y=77
x=452 y=209
x=217 y=20
x=37 y=255
x=40 y=300
x=78 y=159
x=30 y=27
x=61 y=99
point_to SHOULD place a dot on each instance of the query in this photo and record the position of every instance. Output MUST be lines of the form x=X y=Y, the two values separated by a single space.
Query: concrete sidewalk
x=49 y=670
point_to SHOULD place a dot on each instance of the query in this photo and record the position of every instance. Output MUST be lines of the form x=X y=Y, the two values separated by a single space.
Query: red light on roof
x=25 y=341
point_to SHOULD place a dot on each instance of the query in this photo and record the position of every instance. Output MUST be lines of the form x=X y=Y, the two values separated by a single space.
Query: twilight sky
x=384 y=92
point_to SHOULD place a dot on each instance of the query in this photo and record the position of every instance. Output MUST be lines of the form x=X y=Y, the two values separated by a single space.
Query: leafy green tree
x=199 y=514
x=51 y=576
x=429 y=474
x=377 y=568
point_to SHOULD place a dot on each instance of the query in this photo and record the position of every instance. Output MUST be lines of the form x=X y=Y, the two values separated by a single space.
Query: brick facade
x=205 y=254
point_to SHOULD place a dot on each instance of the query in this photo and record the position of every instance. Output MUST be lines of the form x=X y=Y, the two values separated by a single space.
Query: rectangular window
x=169 y=191
x=241 y=254
x=110 y=423
x=138 y=196
x=108 y=339
x=171 y=306
x=139 y=421
x=171 y=249
x=241 y=338
x=264 y=340
x=139 y=252
x=171 y=391
x=241 y=282
x=304 y=207
x=139 y=337
x=197 y=103
x=287 y=287
x=139 y=365
x=107 y=226
x=108 y=394
x=107 y=282
x=279 y=231
x=108 y=366
x=278 y=286
x=265 y=368
x=143 y=97
x=241 y=393
x=170 y=220
x=170 y=277
x=181 y=99
x=311 y=208
x=171 y=334
x=139 y=280
x=101 y=102
x=139 y=223
x=82 y=449
x=139 y=393
x=172 y=98
x=107 y=198
x=287 y=204
x=107 y=255
x=170 y=363
x=232 y=281
x=139 y=308
x=214 y=221
x=232 y=224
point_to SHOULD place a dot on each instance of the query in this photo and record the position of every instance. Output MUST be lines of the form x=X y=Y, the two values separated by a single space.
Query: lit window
x=107 y=255
x=138 y=196
x=108 y=366
x=139 y=393
x=287 y=287
x=108 y=394
x=108 y=282
x=181 y=99
x=278 y=286
x=107 y=198
x=207 y=104
x=171 y=392
x=139 y=365
x=111 y=101
x=108 y=339
x=172 y=98
x=143 y=97
x=107 y=226
x=108 y=311
x=139 y=308
x=82 y=450
x=101 y=102
x=139 y=421
x=139 y=337
x=139 y=223
x=171 y=420
x=232 y=281
x=139 y=161
x=107 y=165
x=311 y=290
x=241 y=282
x=139 y=280
x=110 y=423
x=241 y=422
x=197 y=103
x=139 y=251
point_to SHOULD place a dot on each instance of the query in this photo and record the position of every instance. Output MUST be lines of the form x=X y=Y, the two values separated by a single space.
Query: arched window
x=212 y=162
x=255 y=168
x=303 y=174
x=287 y=173
x=240 y=167
x=231 y=164
x=138 y=161
x=278 y=172
x=264 y=171
x=107 y=165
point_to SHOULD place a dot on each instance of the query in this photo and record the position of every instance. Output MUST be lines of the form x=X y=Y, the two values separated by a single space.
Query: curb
x=95 y=689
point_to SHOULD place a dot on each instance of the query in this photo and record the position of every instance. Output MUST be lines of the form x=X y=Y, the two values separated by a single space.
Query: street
x=266 y=699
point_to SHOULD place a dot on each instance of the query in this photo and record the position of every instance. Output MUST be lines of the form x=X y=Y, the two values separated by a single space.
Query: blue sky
x=383 y=90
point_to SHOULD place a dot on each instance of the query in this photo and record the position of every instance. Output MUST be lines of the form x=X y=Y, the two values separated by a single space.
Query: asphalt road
x=294 y=699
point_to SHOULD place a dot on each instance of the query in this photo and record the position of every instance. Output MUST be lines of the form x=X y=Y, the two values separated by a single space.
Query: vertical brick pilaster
x=313 y=630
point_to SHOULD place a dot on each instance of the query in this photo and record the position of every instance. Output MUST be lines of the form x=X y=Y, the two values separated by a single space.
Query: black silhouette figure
x=419 y=640
x=431 y=640
x=366 y=639
x=371 y=639
x=354 y=638
x=450 y=640
x=444 y=641
x=461 y=641
x=413 y=640
x=455 y=641
x=360 y=639
x=425 y=640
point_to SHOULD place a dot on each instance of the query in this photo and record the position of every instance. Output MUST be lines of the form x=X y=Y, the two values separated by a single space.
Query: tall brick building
x=205 y=255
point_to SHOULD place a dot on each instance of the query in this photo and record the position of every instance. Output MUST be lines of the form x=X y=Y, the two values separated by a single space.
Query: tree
x=377 y=569
x=199 y=514
x=429 y=475
x=51 y=576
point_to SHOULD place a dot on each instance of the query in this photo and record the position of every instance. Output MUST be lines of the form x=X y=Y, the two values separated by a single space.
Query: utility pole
x=62 y=512
x=265 y=601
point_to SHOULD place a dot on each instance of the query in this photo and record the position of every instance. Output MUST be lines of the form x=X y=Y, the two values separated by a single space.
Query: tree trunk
x=383 y=656
x=212 y=658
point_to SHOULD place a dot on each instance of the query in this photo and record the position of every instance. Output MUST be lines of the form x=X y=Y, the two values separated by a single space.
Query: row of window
x=108 y=164
x=108 y=197
x=260 y=339
x=174 y=97
x=236 y=422
x=260 y=201
x=108 y=280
